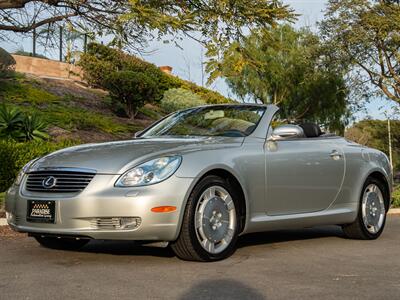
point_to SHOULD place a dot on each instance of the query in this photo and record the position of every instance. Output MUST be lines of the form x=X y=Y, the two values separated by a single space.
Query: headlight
x=23 y=171
x=151 y=172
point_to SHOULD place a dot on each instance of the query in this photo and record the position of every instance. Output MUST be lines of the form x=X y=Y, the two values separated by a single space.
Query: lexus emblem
x=49 y=182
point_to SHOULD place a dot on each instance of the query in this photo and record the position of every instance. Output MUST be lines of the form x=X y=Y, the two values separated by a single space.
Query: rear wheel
x=372 y=211
x=61 y=243
x=211 y=222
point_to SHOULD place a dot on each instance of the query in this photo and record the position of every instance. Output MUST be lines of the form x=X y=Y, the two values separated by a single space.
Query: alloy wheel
x=215 y=219
x=373 y=208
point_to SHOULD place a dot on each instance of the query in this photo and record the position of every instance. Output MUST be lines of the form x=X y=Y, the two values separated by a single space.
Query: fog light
x=116 y=223
x=129 y=223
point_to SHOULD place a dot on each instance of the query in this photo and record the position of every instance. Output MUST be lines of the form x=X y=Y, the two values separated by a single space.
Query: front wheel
x=61 y=243
x=211 y=222
x=371 y=216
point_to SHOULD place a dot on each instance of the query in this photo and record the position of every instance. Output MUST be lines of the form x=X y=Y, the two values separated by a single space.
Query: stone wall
x=54 y=69
x=46 y=68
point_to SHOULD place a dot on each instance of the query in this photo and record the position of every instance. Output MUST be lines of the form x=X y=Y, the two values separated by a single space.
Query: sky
x=187 y=62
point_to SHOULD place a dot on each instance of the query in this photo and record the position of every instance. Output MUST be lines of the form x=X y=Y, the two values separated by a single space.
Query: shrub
x=7 y=62
x=33 y=128
x=14 y=155
x=396 y=197
x=132 y=89
x=95 y=70
x=177 y=99
x=209 y=96
x=100 y=61
x=18 y=126
x=10 y=121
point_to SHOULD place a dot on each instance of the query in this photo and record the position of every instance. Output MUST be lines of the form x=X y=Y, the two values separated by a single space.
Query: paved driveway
x=311 y=263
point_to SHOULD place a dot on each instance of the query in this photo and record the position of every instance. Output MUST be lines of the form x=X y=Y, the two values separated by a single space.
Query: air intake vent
x=116 y=223
x=57 y=181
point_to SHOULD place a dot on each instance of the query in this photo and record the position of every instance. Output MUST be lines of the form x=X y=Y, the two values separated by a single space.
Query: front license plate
x=41 y=211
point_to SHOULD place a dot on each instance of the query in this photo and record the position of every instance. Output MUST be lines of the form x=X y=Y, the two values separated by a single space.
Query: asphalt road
x=311 y=263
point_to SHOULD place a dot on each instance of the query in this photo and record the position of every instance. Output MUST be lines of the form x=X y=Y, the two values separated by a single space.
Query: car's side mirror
x=137 y=133
x=286 y=132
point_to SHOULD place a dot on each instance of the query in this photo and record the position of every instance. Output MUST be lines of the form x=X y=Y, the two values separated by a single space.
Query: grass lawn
x=70 y=108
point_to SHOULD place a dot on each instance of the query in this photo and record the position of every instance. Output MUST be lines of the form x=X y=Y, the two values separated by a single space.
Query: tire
x=61 y=243
x=214 y=234
x=359 y=228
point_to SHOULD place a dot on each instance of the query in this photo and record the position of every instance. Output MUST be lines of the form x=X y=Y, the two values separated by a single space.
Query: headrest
x=311 y=130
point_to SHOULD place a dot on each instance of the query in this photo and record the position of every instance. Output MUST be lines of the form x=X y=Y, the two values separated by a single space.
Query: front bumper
x=101 y=200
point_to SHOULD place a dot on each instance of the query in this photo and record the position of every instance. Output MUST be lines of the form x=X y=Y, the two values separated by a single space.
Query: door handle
x=335 y=155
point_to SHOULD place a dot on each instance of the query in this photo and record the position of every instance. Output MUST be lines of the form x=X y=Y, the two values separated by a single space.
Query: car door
x=302 y=175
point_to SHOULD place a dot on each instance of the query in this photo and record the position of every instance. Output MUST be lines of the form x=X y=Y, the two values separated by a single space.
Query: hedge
x=177 y=99
x=14 y=155
x=132 y=89
x=101 y=60
x=396 y=197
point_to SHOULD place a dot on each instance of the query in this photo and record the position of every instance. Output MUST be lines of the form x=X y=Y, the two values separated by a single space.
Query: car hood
x=117 y=157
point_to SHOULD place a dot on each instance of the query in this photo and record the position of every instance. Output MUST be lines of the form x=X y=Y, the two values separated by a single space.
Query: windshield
x=233 y=121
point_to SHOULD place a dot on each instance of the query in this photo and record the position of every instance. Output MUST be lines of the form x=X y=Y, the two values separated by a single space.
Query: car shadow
x=264 y=238
x=123 y=248
x=281 y=236
x=221 y=289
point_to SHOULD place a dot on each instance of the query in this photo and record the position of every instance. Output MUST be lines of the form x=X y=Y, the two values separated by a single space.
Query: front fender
x=245 y=163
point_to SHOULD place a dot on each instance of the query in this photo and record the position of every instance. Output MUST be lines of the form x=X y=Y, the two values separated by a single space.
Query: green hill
x=74 y=114
x=72 y=111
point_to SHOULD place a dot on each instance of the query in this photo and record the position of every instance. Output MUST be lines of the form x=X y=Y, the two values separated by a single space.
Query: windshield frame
x=216 y=106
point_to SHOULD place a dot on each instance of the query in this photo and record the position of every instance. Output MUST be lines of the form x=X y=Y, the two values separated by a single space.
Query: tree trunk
x=130 y=110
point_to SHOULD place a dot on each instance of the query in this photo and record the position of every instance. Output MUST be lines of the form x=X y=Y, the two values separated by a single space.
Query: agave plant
x=10 y=121
x=21 y=127
x=33 y=128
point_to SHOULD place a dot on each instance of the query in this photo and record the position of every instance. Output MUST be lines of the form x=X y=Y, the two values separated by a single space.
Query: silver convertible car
x=198 y=179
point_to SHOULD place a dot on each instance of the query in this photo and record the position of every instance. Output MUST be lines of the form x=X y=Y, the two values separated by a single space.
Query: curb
x=392 y=212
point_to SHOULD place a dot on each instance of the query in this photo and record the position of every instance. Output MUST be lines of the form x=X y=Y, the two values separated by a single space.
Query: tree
x=100 y=61
x=7 y=62
x=366 y=35
x=286 y=67
x=217 y=21
x=132 y=89
x=374 y=133
x=358 y=135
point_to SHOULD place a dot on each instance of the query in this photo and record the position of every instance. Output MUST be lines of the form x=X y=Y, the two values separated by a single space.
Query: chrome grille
x=65 y=181
x=115 y=223
x=17 y=218
x=106 y=223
